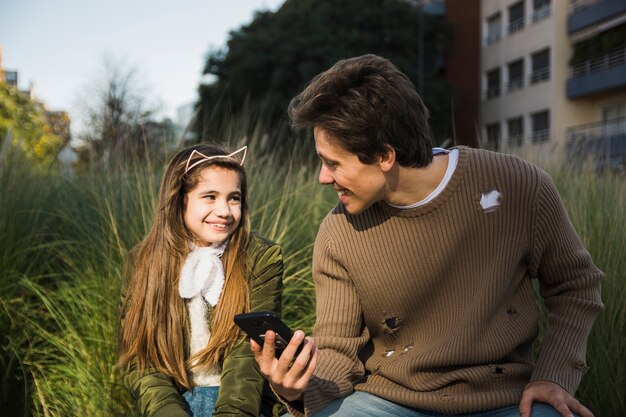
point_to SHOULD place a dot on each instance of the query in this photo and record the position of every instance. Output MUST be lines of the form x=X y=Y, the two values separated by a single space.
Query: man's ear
x=387 y=159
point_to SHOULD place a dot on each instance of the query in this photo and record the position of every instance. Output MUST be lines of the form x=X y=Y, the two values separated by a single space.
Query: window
x=617 y=111
x=541 y=126
x=516 y=75
x=614 y=119
x=516 y=17
x=10 y=77
x=493 y=83
x=541 y=66
x=516 y=131
x=493 y=136
x=541 y=10
x=494 y=28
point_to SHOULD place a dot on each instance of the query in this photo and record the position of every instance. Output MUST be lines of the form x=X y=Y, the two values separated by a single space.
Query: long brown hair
x=153 y=329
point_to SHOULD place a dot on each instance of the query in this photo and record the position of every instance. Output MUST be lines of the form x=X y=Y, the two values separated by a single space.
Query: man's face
x=358 y=185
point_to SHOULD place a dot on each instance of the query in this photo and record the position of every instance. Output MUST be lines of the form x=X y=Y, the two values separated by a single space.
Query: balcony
x=492 y=37
x=604 y=143
x=586 y=13
x=539 y=74
x=577 y=6
x=516 y=26
x=492 y=91
x=516 y=83
x=541 y=13
x=598 y=74
x=542 y=135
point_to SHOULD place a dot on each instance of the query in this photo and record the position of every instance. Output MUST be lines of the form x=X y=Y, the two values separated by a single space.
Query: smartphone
x=257 y=323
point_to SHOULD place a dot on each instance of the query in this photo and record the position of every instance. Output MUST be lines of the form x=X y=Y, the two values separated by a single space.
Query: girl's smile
x=213 y=207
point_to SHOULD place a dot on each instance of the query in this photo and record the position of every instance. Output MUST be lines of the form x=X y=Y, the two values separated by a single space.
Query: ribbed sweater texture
x=434 y=307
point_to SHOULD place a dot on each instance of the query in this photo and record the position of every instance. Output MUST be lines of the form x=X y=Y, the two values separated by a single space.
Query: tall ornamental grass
x=63 y=240
x=596 y=204
x=63 y=244
x=26 y=226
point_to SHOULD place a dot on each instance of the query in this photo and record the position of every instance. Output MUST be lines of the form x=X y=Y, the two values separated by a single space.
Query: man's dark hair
x=367 y=104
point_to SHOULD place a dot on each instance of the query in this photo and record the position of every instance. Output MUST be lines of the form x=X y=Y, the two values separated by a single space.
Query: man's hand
x=553 y=394
x=287 y=381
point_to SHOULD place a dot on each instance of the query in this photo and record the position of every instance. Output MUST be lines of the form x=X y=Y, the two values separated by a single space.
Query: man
x=423 y=271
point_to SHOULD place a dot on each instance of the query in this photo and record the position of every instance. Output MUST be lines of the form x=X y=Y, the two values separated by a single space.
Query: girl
x=198 y=266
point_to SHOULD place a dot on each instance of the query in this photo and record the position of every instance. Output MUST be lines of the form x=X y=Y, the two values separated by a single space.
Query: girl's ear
x=387 y=159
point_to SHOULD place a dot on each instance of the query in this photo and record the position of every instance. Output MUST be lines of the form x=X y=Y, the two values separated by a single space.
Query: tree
x=117 y=109
x=271 y=59
x=25 y=125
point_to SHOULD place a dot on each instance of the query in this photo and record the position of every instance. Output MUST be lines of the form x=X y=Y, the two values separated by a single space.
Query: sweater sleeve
x=570 y=287
x=339 y=329
x=241 y=387
x=155 y=393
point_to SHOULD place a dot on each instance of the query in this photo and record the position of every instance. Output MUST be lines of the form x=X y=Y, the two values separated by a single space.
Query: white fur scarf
x=201 y=279
x=202 y=274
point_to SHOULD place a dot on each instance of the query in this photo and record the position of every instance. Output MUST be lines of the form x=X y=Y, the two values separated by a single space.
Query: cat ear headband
x=204 y=158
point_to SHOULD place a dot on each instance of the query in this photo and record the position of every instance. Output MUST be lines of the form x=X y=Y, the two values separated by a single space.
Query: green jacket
x=242 y=387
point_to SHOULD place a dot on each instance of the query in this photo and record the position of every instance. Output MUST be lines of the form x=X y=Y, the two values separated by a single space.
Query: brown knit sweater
x=434 y=308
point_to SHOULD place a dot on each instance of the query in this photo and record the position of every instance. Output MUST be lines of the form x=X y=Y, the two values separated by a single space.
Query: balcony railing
x=492 y=91
x=603 y=141
x=576 y=6
x=540 y=75
x=541 y=13
x=515 y=84
x=493 y=37
x=516 y=25
x=541 y=135
x=492 y=143
x=597 y=130
x=601 y=63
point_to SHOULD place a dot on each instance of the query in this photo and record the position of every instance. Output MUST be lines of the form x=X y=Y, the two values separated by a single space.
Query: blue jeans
x=200 y=401
x=360 y=404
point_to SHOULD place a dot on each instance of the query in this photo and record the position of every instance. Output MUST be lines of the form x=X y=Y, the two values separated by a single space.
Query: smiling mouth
x=220 y=226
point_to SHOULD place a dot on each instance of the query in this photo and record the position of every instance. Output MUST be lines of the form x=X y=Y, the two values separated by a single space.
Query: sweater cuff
x=296 y=408
x=566 y=375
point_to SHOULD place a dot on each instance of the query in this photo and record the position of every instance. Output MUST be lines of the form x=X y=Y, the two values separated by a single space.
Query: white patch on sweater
x=490 y=201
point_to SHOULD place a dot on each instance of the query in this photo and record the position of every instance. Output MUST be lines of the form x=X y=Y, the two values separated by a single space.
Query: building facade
x=596 y=83
x=546 y=82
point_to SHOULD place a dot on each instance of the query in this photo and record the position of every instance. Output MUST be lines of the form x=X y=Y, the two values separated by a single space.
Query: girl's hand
x=289 y=380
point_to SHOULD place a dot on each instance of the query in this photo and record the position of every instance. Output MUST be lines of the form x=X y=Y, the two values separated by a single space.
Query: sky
x=60 y=45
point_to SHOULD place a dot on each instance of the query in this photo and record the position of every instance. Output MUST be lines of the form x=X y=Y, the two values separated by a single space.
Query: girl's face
x=213 y=207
